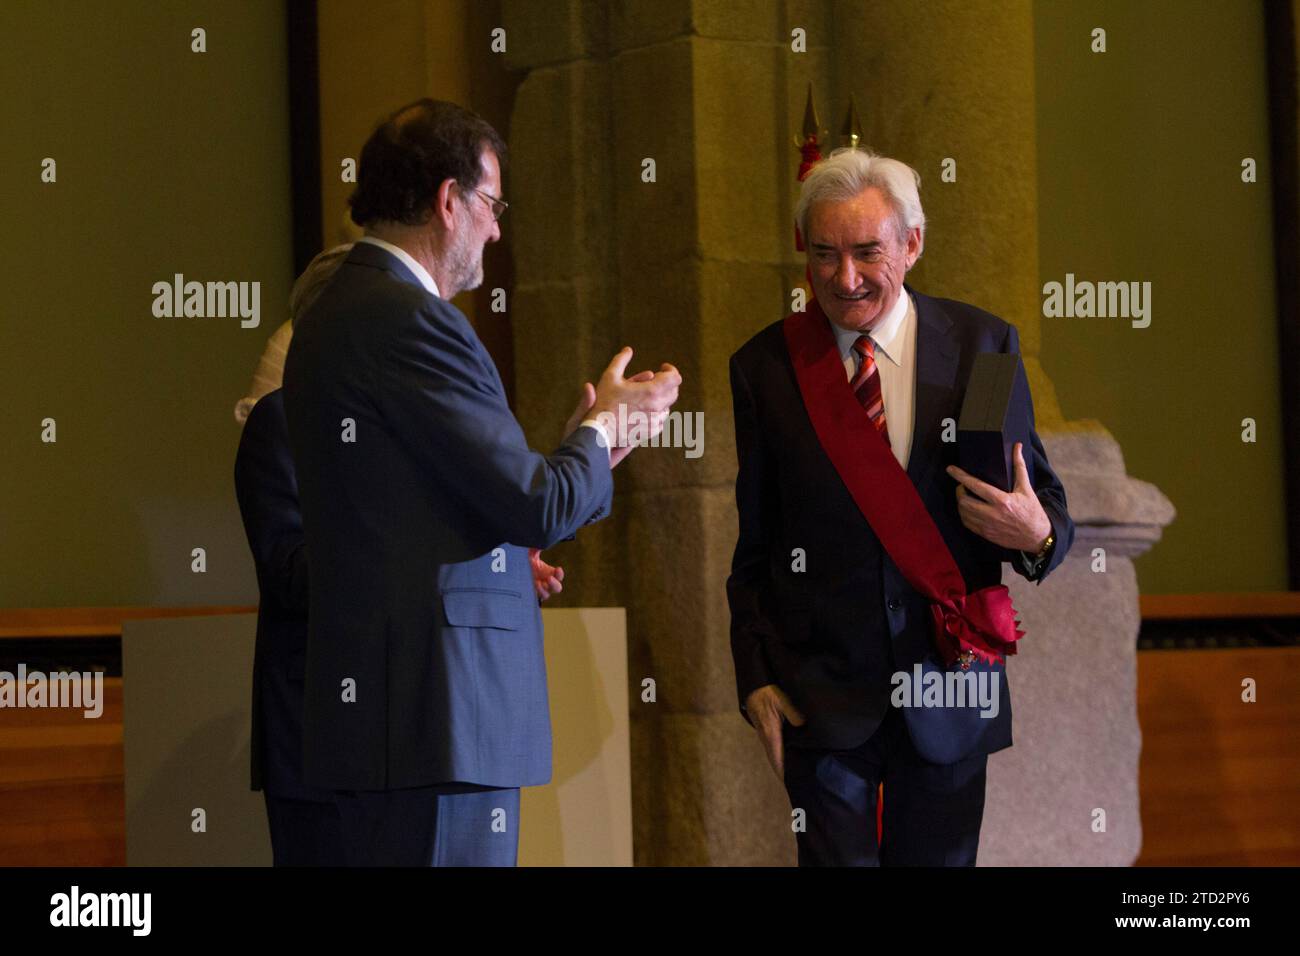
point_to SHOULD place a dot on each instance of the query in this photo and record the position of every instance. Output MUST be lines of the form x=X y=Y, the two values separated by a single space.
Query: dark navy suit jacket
x=268 y=502
x=832 y=635
x=420 y=498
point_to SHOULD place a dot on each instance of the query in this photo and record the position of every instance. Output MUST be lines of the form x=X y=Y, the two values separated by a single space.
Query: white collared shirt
x=895 y=348
x=407 y=260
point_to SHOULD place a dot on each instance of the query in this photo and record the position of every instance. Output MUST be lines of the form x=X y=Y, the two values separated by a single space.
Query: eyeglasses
x=499 y=206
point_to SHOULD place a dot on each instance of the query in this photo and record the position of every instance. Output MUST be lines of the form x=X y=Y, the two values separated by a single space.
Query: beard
x=464 y=262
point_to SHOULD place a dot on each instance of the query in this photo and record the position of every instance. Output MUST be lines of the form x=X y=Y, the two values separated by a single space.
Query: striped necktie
x=866 y=385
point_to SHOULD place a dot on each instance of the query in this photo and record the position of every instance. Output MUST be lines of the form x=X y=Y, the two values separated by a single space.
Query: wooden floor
x=62 y=800
x=1220 y=779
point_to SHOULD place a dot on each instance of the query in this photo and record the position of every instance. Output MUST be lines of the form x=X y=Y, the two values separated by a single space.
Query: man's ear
x=913 y=246
x=444 y=202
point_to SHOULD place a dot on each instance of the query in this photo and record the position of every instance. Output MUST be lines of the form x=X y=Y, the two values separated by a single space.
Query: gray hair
x=847 y=172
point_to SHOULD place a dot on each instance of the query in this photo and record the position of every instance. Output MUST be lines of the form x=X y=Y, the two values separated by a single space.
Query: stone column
x=1074 y=680
x=684 y=269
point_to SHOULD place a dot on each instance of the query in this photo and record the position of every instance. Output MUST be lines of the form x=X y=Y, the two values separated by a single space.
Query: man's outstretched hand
x=618 y=399
x=646 y=393
x=586 y=399
x=546 y=579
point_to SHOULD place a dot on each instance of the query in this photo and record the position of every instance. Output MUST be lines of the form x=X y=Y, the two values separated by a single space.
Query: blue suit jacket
x=268 y=502
x=833 y=635
x=420 y=498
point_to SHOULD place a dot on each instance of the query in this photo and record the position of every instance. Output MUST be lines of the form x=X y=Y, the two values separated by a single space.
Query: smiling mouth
x=853 y=298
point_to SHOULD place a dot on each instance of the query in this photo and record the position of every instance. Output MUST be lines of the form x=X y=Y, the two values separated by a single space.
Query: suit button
x=895 y=604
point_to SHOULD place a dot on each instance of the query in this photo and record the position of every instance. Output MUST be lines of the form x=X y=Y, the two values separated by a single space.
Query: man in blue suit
x=426 y=700
x=823 y=617
x=303 y=820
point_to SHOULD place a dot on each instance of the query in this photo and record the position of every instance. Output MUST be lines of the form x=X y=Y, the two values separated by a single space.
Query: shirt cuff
x=602 y=436
x=1028 y=562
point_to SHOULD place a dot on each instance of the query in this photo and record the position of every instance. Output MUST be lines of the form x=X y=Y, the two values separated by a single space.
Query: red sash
x=967 y=627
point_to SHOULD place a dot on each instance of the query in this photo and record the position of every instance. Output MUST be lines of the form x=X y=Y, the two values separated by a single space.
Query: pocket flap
x=483 y=607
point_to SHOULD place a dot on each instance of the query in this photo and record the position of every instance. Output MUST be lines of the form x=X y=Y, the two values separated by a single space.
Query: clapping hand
x=648 y=393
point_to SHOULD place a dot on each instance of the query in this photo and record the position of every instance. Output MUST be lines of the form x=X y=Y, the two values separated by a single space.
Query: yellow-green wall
x=168 y=161
x=172 y=161
x=1139 y=178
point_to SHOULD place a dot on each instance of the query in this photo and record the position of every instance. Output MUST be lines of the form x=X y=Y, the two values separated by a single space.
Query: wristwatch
x=1047 y=546
x=1034 y=565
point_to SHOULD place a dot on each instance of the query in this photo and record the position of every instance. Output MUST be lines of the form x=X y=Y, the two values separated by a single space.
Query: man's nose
x=496 y=232
x=846 y=276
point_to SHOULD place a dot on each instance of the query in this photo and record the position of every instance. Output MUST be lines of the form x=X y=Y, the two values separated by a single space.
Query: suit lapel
x=937 y=355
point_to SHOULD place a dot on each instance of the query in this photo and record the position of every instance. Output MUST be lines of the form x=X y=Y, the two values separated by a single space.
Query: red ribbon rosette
x=976 y=626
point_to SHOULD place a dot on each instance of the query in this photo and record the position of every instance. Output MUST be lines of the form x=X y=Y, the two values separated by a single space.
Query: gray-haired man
x=842 y=472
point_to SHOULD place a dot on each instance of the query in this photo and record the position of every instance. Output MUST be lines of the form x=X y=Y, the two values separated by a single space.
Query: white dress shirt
x=895 y=347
